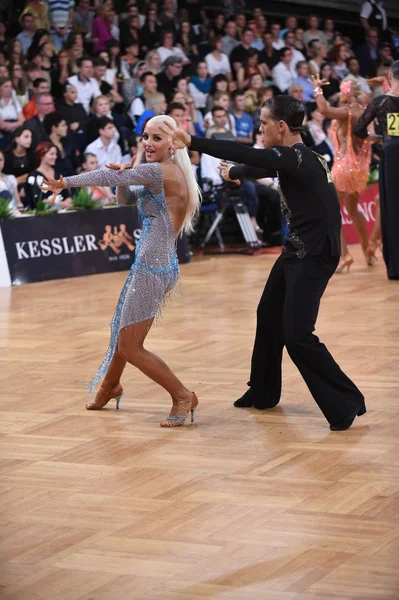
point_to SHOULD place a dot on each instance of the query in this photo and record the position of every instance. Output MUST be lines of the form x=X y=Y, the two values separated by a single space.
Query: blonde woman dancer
x=352 y=158
x=167 y=202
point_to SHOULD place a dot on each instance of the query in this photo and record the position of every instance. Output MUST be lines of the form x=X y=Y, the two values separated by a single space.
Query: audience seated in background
x=117 y=68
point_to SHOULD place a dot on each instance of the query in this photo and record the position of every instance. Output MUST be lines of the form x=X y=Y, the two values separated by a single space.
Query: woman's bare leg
x=114 y=372
x=131 y=349
x=358 y=219
x=344 y=245
x=346 y=258
x=376 y=233
x=342 y=197
x=110 y=386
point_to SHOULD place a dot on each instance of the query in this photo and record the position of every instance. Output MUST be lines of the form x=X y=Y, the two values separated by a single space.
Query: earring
x=172 y=153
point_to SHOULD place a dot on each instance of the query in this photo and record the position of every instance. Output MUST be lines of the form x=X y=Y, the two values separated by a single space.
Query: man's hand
x=225 y=172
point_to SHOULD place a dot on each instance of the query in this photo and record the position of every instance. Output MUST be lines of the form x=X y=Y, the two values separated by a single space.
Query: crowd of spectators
x=78 y=83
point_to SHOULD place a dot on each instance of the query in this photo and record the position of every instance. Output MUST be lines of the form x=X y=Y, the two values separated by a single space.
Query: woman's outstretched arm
x=149 y=175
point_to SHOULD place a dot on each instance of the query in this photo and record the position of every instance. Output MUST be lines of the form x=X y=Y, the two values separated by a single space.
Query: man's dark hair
x=52 y=120
x=247 y=29
x=300 y=63
x=41 y=97
x=38 y=81
x=287 y=109
x=174 y=106
x=99 y=62
x=31 y=67
x=83 y=59
x=103 y=122
x=283 y=50
x=395 y=70
x=235 y=94
x=350 y=60
x=145 y=75
x=287 y=33
x=172 y=60
x=216 y=109
x=132 y=141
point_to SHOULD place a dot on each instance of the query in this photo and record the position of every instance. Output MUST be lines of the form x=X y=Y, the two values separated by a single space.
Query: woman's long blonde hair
x=182 y=160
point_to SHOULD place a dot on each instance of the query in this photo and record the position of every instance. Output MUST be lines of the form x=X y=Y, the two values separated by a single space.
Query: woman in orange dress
x=352 y=157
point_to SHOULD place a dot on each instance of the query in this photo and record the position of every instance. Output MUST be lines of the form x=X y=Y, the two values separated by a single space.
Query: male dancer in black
x=386 y=110
x=288 y=308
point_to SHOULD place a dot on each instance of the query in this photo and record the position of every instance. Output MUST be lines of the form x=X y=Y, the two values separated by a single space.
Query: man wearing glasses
x=45 y=106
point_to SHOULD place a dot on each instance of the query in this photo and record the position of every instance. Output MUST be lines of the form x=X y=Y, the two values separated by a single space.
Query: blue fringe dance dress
x=155 y=270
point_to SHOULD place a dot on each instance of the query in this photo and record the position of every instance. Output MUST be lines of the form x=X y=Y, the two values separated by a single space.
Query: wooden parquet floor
x=244 y=505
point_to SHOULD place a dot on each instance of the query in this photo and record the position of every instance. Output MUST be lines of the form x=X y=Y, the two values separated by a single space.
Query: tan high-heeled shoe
x=104 y=396
x=345 y=264
x=178 y=420
x=369 y=254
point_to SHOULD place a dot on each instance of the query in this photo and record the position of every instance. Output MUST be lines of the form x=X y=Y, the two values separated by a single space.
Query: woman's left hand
x=180 y=139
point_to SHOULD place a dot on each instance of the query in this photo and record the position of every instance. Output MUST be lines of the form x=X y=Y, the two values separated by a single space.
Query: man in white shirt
x=87 y=86
x=289 y=42
x=282 y=74
x=104 y=148
x=150 y=85
x=275 y=31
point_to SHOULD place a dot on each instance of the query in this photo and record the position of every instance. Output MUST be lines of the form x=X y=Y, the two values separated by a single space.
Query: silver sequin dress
x=155 y=270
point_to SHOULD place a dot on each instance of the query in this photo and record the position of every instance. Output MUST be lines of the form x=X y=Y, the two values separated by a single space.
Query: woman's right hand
x=53 y=185
x=122 y=167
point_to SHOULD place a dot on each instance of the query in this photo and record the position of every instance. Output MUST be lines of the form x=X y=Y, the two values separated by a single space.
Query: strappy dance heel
x=345 y=264
x=97 y=404
x=178 y=420
x=369 y=254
